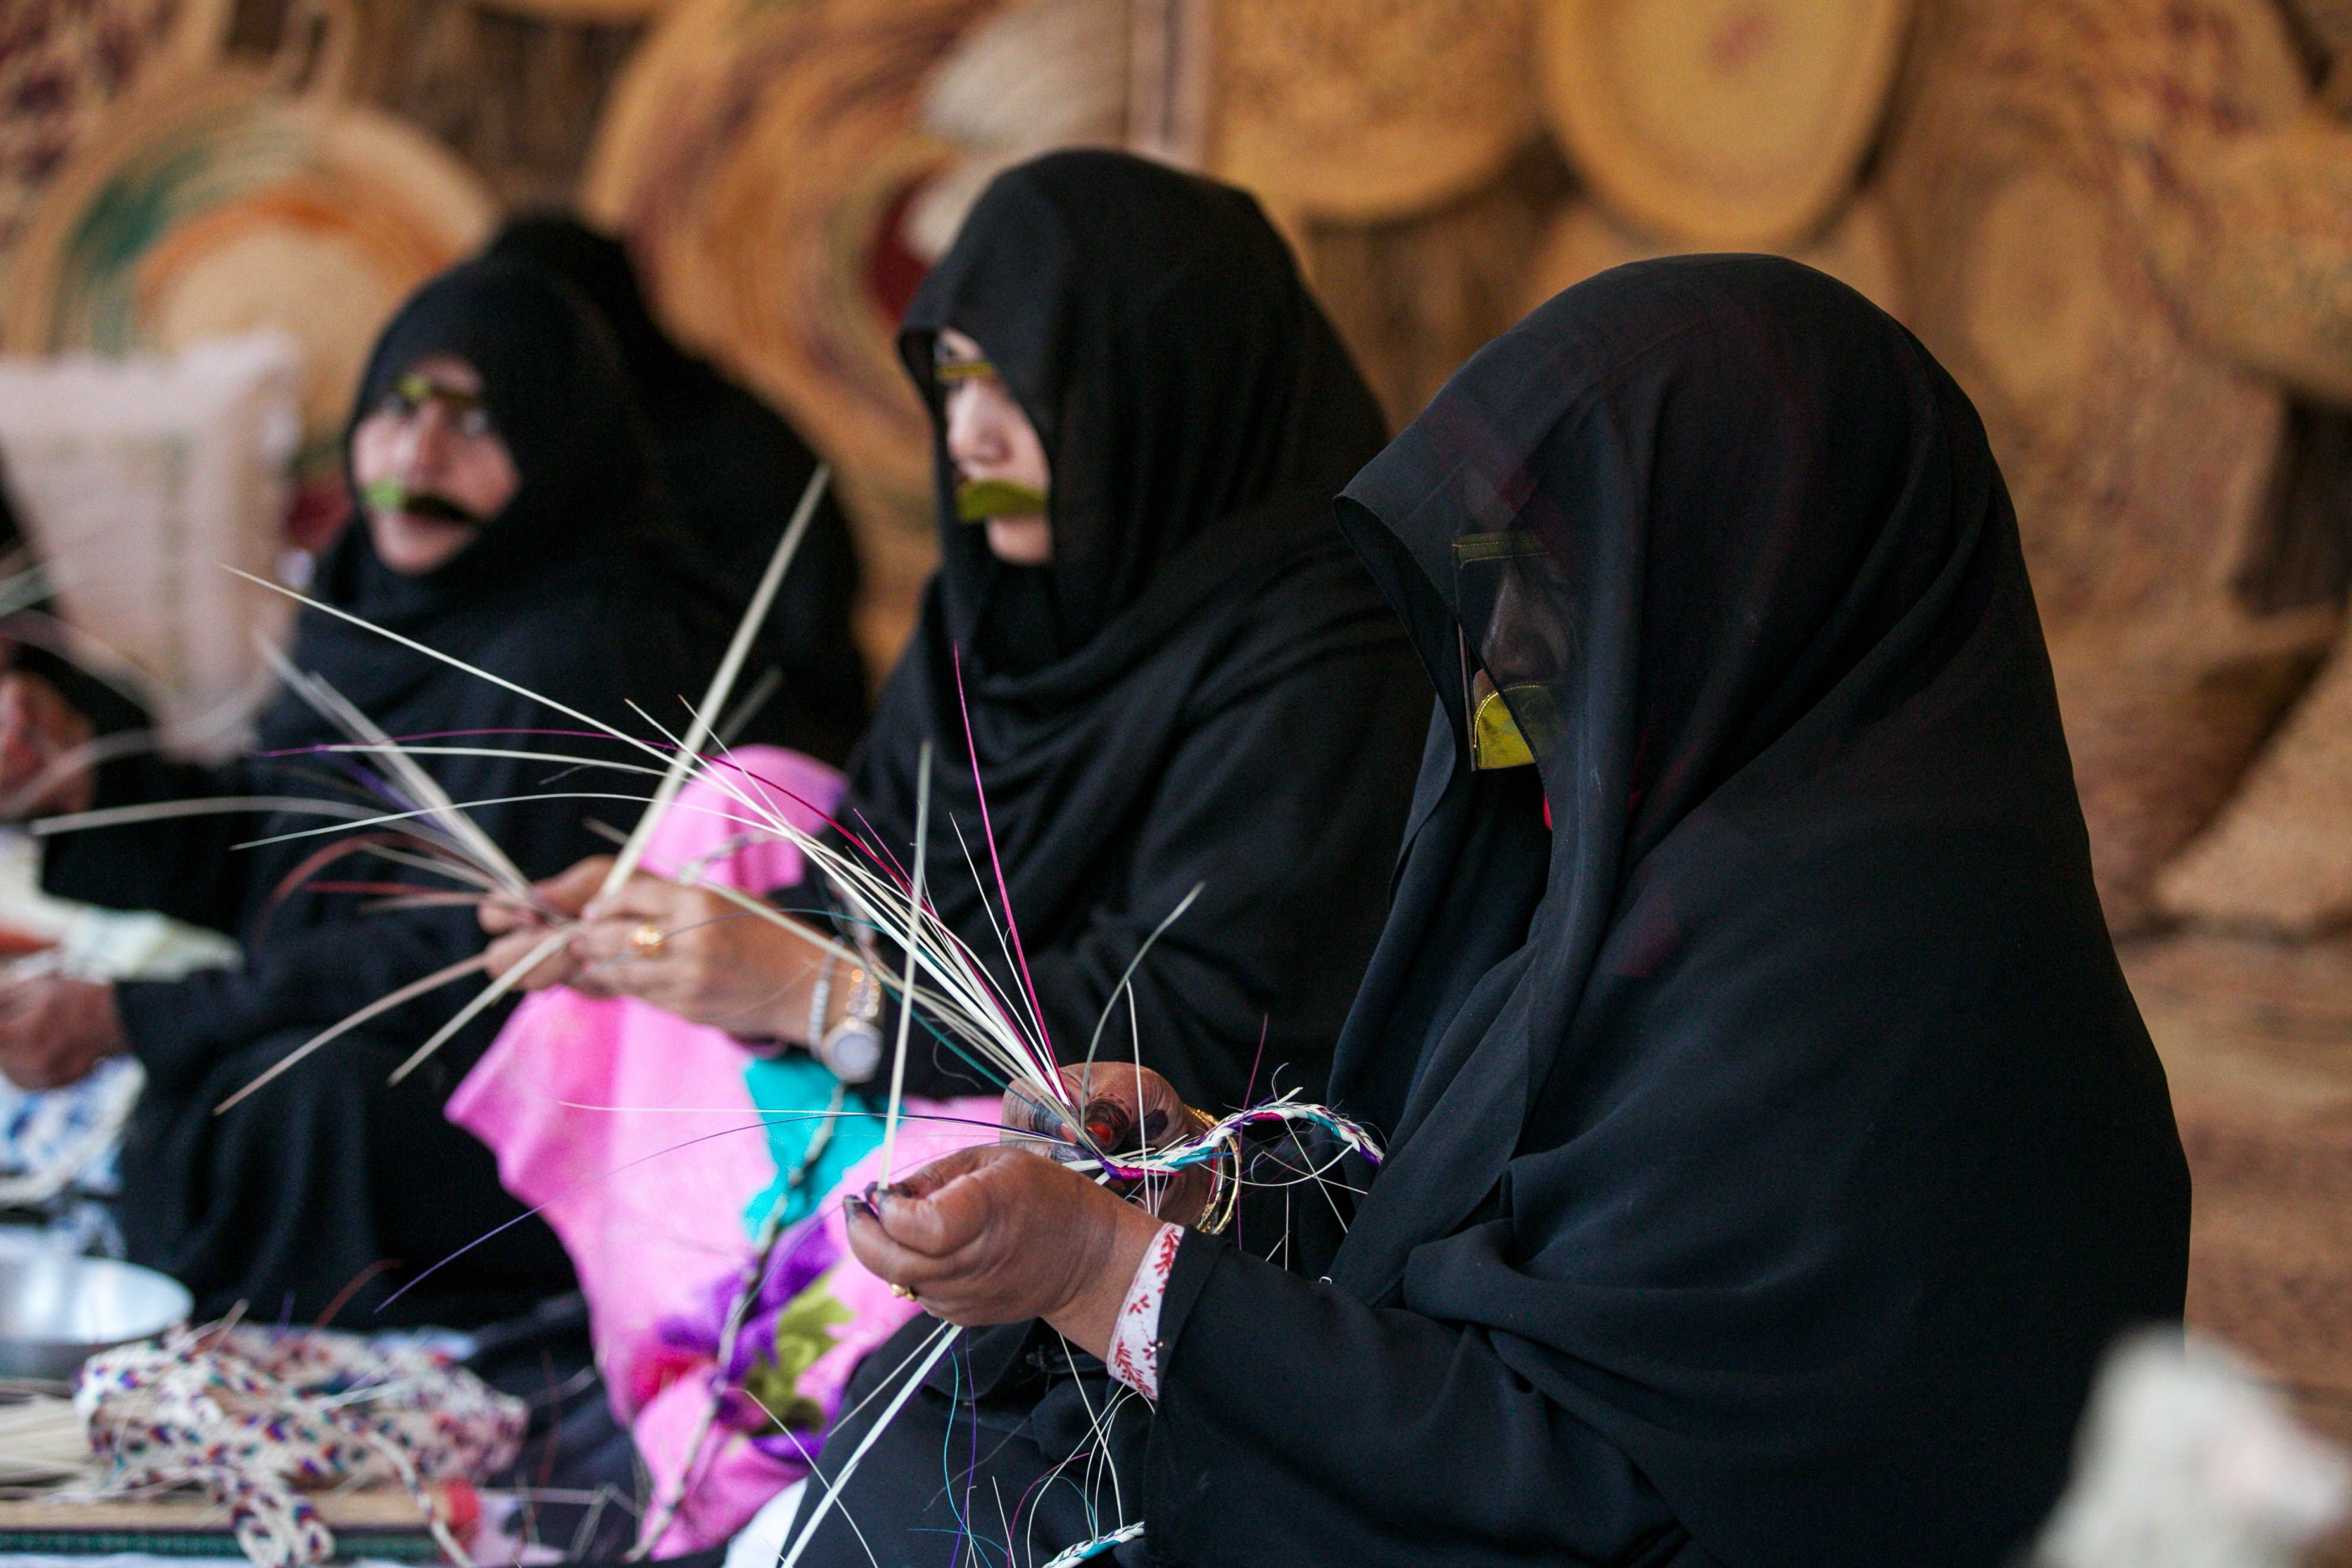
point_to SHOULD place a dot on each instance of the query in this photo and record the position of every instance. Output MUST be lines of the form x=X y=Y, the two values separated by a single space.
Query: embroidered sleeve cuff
x=1135 y=1342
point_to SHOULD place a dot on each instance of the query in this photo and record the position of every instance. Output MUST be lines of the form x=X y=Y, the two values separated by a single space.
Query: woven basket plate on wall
x=1363 y=110
x=1727 y=123
x=63 y=62
x=761 y=156
x=602 y=13
x=1857 y=249
x=213 y=206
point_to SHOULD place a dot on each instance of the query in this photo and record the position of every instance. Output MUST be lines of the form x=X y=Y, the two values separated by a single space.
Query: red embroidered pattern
x=1135 y=1342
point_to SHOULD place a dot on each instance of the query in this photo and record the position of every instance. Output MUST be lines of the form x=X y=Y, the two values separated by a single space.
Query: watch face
x=852 y=1051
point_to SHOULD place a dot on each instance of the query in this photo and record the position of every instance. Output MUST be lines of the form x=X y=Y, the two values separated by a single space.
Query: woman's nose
x=429 y=434
x=973 y=438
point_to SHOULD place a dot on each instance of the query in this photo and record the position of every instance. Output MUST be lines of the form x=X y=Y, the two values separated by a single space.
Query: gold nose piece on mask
x=1495 y=738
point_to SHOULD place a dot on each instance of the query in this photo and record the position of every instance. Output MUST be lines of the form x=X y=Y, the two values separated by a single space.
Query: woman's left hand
x=995 y=1235
x=54 y=1030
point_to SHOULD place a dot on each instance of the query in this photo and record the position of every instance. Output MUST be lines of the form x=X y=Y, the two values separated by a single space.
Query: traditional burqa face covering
x=1783 y=1114
x=587 y=502
x=1154 y=331
x=554 y=392
x=1197 y=412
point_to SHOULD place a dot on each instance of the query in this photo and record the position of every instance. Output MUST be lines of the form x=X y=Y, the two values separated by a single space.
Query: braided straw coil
x=64 y=62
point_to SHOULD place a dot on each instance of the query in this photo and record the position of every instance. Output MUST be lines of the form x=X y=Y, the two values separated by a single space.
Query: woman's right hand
x=687 y=950
x=39 y=731
x=516 y=929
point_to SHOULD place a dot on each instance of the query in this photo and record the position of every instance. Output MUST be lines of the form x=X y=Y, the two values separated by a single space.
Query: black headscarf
x=733 y=470
x=589 y=504
x=1783 y=1114
x=1198 y=413
x=574 y=591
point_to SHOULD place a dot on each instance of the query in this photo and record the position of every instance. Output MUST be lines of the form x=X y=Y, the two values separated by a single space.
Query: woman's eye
x=475 y=422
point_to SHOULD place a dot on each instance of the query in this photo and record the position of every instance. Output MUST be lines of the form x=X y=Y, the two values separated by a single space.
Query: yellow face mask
x=1495 y=738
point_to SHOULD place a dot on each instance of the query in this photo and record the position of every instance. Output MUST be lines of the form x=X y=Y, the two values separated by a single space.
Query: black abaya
x=1204 y=687
x=733 y=470
x=570 y=592
x=1774 y=1147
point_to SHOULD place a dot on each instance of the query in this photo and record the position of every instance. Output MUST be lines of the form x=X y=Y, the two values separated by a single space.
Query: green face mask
x=390 y=495
x=977 y=501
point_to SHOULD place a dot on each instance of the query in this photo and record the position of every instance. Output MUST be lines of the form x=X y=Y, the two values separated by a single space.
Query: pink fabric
x=631 y=1126
x=633 y=1132
x=737 y=1474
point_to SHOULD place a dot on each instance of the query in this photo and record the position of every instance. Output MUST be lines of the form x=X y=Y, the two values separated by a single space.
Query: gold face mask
x=1495 y=738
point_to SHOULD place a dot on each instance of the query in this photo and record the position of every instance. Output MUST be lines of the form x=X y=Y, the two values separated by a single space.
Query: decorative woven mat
x=211 y=204
x=2257 y=1040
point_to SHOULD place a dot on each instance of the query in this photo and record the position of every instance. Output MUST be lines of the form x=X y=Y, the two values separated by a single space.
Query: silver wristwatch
x=853 y=1047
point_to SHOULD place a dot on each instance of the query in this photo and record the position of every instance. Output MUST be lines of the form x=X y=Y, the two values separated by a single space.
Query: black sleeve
x=1285 y=808
x=180 y=866
x=1297 y=1424
x=312 y=959
x=309 y=980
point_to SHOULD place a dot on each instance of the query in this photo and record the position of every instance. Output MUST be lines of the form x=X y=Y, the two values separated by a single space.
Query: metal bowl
x=55 y=1310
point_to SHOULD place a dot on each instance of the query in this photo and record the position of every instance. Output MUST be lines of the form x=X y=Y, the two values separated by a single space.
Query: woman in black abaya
x=1773 y=1144
x=568 y=590
x=1201 y=688
x=733 y=470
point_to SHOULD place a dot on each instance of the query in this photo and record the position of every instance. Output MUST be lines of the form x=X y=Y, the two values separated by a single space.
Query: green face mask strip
x=977 y=501
x=385 y=495
x=957 y=370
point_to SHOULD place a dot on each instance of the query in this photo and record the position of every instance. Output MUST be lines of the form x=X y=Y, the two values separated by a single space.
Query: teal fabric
x=792 y=1092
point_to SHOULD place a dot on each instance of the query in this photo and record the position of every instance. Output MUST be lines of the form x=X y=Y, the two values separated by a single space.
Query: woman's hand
x=53 y=1030
x=686 y=950
x=1127 y=1108
x=39 y=731
x=995 y=1235
x=516 y=929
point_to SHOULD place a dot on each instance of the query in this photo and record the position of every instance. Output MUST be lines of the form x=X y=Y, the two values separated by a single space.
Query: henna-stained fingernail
x=1108 y=1126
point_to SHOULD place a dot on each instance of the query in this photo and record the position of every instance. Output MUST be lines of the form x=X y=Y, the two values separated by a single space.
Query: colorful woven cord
x=256 y=1417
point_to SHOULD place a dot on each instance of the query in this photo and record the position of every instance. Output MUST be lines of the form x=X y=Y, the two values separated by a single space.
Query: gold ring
x=903 y=1293
x=648 y=938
